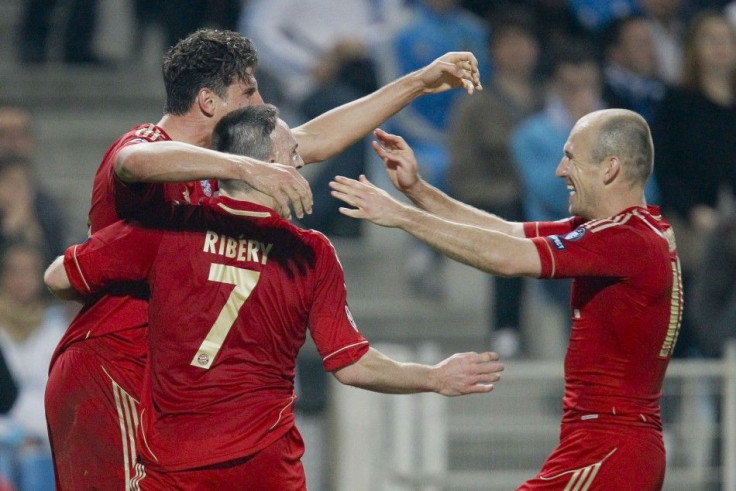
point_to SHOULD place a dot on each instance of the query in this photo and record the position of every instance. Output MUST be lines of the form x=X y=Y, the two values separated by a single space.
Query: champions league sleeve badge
x=350 y=317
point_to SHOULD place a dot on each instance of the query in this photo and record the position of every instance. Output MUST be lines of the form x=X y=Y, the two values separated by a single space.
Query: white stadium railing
x=496 y=441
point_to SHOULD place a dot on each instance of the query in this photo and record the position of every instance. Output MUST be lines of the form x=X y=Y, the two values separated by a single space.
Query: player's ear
x=612 y=168
x=206 y=102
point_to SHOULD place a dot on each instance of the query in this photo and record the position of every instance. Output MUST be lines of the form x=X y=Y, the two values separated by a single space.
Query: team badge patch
x=575 y=234
x=350 y=317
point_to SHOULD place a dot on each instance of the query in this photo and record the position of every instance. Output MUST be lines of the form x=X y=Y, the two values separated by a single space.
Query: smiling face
x=583 y=176
x=285 y=147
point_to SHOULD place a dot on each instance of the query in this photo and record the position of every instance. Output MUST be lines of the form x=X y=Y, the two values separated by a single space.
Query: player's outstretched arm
x=403 y=171
x=332 y=132
x=460 y=374
x=58 y=282
x=488 y=250
x=172 y=161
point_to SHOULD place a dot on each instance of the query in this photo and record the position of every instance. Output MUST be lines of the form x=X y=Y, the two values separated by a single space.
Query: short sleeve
x=605 y=251
x=119 y=252
x=331 y=323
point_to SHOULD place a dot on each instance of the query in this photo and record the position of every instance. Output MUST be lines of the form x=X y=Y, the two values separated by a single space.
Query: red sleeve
x=120 y=252
x=131 y=197
x=330 y=321
x=540 y=229
x=605 y=251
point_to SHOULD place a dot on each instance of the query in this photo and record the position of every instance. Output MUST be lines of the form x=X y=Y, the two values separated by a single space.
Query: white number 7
x=244 y=280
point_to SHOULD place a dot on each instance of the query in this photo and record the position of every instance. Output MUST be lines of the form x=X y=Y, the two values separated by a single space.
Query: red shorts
x=278 y=467
x=92 y=414
x=603 y=457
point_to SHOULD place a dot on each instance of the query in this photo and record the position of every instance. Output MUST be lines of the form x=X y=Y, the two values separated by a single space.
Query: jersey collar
x=230 y=206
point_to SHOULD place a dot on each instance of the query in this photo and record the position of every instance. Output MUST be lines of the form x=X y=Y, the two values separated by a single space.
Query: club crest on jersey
x=575 y=234
x=556 y=241
x=350 y=317
x=206 y=187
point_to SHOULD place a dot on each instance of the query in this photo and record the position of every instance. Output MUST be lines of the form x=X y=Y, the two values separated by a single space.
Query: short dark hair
x=246 y=131
x=626 y=134
x=208 y=58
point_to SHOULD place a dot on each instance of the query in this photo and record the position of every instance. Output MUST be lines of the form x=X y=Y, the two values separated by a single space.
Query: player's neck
x=620 y=202
x=251 y=196
x=187 y=129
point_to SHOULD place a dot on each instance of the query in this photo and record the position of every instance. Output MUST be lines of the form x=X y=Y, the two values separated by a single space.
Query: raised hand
x=454 y=69
x=467 y=373
x=398 y=158
x=369 y=202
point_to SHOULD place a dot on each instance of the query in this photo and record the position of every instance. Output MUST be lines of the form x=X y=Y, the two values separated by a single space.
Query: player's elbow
x=349 y=375
x=128 y=165
x=55 y=277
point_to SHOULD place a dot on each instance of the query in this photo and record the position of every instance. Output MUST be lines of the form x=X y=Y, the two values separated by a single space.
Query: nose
x=299 y=162
x=561 y=170
x=256 y=99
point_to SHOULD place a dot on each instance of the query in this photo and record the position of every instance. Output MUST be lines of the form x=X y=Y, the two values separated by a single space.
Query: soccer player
x=96 y=372
x=234 y=288
x=626 y=302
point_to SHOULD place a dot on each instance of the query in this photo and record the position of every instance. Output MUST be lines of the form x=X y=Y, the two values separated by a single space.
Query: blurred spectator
x=16 y=131
x=27 y=213
x=180 y=18
x=343 y=75
x=714 y=286
x=668 y=28
x=630 y=74
x=437 y=27
x=574 y=89
x=295 y=36
x=29 y=331
x=78 y=19
x=482 y=172
x=314 y=70
x=695 y=151
x=8 y=389
x=596 y=15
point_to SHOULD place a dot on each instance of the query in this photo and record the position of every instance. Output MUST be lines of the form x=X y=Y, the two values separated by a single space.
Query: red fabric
x=277 y=467
x=84 y=410
x=626 y=304
x=192 y=267
x=603 y=457
x=111 y=329
x=124 y=311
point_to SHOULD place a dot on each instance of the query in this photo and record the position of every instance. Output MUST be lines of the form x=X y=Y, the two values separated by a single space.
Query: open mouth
x=571 y=189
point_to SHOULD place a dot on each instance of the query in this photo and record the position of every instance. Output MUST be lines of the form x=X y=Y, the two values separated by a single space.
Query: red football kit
x=234 y=288
x=626 y=307
x=96 y=371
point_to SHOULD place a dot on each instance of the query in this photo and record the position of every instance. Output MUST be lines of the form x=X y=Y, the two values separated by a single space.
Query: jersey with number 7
x=234 y=288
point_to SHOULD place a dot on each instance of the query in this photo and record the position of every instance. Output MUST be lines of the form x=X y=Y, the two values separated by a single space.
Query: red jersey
x=234 y=288
x=122 y=313
x=626 y=307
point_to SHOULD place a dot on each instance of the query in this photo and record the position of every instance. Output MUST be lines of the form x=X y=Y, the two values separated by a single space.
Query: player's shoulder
x=147 y=132
x=637 y=225
x=315 y=238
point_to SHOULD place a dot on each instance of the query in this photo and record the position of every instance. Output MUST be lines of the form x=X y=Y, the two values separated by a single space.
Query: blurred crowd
x=544 y=64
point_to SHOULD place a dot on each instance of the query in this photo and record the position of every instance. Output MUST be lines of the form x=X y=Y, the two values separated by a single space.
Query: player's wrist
x=413 y=84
